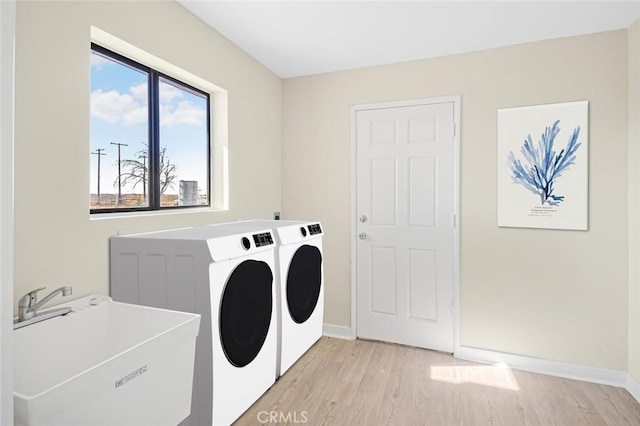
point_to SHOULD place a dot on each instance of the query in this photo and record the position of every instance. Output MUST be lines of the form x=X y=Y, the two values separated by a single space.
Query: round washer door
x=303 y=282
x=245 y=311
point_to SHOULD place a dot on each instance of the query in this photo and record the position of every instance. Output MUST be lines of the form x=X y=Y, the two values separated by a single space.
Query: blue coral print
x=541 y=166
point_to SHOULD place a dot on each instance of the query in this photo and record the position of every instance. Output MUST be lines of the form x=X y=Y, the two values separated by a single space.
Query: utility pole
x=144 y=177
x=99 y=153
x=119 y=173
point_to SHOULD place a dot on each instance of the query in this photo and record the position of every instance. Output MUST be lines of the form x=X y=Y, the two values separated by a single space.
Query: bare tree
x=167 y=171
x=137 y=171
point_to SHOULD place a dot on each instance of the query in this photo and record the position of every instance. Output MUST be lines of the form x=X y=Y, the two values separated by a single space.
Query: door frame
x=456 y=100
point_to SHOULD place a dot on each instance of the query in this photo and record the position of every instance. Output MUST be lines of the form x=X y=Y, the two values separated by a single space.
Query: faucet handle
x=30 y=298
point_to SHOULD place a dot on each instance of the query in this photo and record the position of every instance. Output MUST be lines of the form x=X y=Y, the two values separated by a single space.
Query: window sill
x=169 y=212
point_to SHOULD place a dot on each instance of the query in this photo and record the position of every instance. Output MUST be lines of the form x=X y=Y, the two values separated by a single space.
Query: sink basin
x=105 y=363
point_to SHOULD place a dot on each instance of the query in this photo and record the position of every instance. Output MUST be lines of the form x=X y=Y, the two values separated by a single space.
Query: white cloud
x=168 y=92
x=114 y=107
x=175 y=111
x=139 y=91
x=131 y=108
x=136 y=115
x=183 y=113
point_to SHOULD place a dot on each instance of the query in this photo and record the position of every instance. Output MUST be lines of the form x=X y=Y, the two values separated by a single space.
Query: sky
x=119 y=114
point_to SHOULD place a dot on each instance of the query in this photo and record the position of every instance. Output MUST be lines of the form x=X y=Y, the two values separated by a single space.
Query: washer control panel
x=315 y=229
x=264 y=239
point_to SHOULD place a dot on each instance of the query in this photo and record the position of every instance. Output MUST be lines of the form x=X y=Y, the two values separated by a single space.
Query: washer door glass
x=245 y=311
x=303 y=282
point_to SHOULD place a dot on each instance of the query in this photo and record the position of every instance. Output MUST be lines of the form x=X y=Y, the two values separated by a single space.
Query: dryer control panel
x=315 y=229
x=263 y=239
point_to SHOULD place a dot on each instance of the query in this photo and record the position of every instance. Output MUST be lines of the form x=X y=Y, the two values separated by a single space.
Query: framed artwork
x=543 y=166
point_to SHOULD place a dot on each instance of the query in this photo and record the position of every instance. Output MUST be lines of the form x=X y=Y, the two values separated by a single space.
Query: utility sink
x=105 y=364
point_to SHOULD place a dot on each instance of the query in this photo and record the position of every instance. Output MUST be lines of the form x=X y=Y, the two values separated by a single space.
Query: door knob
x=363 y=218
x=362 y=236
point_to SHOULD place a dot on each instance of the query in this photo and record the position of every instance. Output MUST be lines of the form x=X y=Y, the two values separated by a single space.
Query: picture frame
x=542 y=167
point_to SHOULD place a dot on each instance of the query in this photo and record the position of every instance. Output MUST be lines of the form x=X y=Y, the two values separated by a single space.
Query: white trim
x=457 y=105
x=633 y=387
x=354 y=223
x=152 y=213
x=337 y=331
x=219 y=132
x=457 y=101
x=124 y=48
x=412 y=102
x=548 y=367
x=7 y=64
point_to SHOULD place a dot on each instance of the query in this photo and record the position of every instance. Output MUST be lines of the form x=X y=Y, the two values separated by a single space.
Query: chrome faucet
x=28 y=304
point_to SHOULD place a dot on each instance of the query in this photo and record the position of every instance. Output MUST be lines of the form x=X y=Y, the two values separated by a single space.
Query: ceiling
x=295 y=38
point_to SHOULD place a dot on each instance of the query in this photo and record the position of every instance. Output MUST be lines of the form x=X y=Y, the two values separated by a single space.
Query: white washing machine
x=227 y=276
x=300 y=275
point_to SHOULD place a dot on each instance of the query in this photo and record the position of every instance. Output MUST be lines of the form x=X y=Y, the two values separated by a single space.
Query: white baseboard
x=633 y=387
x=552 y=368
x=602 y=376
x=337 y=331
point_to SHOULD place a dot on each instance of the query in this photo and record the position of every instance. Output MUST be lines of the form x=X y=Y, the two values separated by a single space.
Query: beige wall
x=634 y=200
x=573 y=306
x=56 y=243
x=575 y=310
x=7 y=21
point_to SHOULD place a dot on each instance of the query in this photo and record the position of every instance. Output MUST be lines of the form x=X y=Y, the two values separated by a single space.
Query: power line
x=119 y=172
x=99 y=153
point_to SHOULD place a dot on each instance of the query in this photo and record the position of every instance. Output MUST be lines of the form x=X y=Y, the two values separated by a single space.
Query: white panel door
x=405 y=225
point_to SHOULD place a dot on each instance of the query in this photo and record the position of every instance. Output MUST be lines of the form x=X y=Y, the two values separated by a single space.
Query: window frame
x=153 y=100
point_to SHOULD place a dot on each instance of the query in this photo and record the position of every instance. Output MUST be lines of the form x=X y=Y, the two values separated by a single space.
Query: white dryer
x=227 y=277
x=300 y=276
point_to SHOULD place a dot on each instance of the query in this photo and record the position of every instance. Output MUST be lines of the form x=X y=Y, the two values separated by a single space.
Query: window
x=149 y=144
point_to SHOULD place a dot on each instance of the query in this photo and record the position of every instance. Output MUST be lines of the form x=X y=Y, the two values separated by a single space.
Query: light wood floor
x=342 y=382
